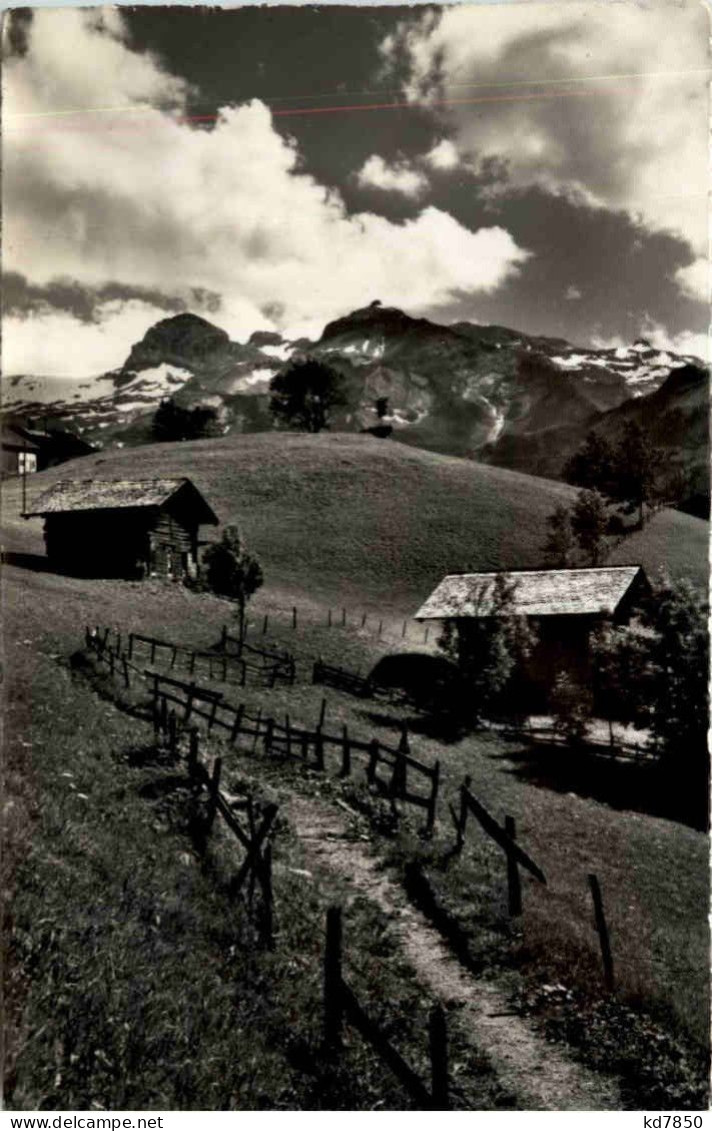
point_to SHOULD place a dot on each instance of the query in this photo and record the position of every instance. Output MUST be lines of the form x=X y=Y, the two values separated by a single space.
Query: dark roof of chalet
x=71 y=495
x=15 y=436
x=538 y=593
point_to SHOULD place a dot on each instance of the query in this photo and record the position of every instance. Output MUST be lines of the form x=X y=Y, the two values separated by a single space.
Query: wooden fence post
x=164 y=716
x=193 y=746
x=405 y=628
x=319 y=749
x=131 y=645
x=372 y=761
x=288 y=729
x=346 y=758
x=322 y=714
x=333 y=1004
x=267 y=898
x=432 y=804
x=264 y=624
x=153 y=651
x=427 y=633
x=190 y=695
x=329 y=619
x=343 y=617
x=514 y=882
x=172 y=734
x=237 y=724
x=127 y=681
x=404 y=745
x=257 y=729
x=380 y=629
x=602 y=928
x=294 y=616
x=223 y=639
x=213 y=799
x=268 y=735
x=438 y=1059
x=363 y=620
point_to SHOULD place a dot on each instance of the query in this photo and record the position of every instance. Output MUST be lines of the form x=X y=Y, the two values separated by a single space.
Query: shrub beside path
x=532 y=1069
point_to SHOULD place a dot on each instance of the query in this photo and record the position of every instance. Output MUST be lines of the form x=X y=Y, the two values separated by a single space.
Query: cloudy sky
x=542 y=166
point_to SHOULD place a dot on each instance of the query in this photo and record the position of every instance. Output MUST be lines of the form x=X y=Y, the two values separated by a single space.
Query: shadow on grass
x=644 y=788
x=38 y=563
x=446 y=727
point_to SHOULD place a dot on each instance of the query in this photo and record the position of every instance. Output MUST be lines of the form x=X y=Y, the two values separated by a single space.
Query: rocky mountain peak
x=186 y=336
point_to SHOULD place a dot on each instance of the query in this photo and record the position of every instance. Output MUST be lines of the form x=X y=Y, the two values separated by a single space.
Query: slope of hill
x=455 y=389
x=675 y=418
x=362 y=519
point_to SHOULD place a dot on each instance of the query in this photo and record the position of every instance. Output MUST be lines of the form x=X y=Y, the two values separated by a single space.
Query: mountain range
x=484 y=392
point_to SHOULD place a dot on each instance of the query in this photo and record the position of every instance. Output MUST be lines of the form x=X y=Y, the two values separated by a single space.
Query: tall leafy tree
x=231 y=571
x=640 y=473
x=589 y=522
x=305 y=393
x=593 y=466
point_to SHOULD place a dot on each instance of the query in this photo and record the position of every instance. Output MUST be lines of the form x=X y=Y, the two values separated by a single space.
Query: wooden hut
x=20 y=450
x=564 y=605
x=129 y=528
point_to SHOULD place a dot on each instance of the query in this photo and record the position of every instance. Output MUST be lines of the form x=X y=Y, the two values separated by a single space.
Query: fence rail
x=341 y=1005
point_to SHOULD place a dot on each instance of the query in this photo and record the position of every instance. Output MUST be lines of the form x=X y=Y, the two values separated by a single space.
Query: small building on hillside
x=20 y=450
x=564 y=605
x=130 y=528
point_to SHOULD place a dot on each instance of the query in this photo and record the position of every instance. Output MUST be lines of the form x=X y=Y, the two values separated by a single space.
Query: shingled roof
x=538 y=593
x=71 y=495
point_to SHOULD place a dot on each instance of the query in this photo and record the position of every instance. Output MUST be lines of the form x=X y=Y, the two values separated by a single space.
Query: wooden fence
x=392 y=770
x=216 y=666
x=504 y=836
x=342 y=1006
x=255 y=870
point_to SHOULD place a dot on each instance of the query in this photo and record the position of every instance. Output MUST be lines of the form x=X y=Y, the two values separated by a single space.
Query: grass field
x=102 y=887
x=356 y=519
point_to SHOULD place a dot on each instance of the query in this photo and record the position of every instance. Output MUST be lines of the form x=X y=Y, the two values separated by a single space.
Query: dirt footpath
x=528 y=1066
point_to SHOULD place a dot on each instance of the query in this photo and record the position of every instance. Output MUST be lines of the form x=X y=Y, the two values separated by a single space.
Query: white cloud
x=139 y=197
x=443 y=155
x=639 y=143
x=376 y=173
x=695 y=279
x=52 y=343
x=686 y=343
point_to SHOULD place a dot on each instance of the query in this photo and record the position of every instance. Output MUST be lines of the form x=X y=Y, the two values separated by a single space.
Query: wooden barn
x=130 y=528
x=565 y=606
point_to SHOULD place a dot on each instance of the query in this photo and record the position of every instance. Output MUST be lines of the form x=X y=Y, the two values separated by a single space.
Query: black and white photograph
x=355 y=505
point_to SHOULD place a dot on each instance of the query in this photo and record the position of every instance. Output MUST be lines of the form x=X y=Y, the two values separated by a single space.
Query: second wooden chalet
x=564 y=605
x=129 y=528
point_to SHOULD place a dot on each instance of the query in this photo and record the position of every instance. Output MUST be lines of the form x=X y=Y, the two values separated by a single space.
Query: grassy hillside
x=352 y=517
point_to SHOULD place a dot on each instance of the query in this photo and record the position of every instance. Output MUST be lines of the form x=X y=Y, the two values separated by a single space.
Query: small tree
x=231 y=571
x=173 y=422
x=593 y=465
x=559 y=545
x=489 y=648
x=589 y=522
x=621 y=676
x=572 y=705
x=304 y=394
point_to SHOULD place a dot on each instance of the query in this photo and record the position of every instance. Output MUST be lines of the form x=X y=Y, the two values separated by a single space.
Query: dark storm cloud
x=22 y=298
x=623 y=270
